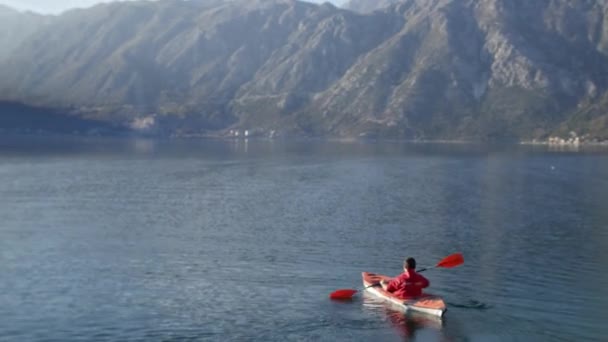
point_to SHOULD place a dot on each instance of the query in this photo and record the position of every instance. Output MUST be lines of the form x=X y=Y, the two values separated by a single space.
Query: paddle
x=450 y=261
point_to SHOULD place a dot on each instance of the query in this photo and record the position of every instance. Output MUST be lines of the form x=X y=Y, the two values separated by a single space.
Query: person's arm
x=393 y=285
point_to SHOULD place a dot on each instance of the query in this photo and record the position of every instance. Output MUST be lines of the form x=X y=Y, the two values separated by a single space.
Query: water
x=140 y=240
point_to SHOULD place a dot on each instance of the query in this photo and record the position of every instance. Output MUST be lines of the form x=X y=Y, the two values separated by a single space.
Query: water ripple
x=209 y=242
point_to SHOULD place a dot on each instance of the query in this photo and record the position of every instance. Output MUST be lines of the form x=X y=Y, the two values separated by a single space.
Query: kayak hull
x=427 y=303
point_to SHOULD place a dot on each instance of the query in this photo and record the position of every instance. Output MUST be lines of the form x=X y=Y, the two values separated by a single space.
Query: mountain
x=18 y=118
x=368 y=6
x=15 y=27
x=417 y=69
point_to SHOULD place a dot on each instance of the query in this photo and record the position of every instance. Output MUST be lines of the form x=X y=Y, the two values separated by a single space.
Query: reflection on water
x=143 y=146
x=410 y=325
x=407 y=325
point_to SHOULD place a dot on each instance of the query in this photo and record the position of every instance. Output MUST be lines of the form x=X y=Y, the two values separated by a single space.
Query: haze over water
x=140 y=240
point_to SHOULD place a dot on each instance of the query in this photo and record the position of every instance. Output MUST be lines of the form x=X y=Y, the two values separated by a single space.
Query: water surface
x=139 y=240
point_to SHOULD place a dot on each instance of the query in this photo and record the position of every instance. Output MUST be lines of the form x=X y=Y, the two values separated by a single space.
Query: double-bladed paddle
x=450 y=261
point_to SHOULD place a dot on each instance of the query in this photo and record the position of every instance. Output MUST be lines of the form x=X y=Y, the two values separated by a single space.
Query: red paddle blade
x=453 y=260
x=343 y=294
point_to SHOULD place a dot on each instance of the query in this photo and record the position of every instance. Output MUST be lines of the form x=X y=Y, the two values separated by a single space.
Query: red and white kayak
x=427 y=303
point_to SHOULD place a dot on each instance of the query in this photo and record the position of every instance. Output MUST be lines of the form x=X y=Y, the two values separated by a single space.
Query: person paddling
x=409 y=284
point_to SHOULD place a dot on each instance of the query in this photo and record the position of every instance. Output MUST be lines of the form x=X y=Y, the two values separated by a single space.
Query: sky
x=57 y=6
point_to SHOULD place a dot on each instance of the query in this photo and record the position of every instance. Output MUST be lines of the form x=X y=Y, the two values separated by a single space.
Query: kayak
x=427 y=303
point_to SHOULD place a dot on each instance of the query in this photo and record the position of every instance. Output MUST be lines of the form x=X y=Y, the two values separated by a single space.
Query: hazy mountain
x=17 y=118
x=15 y=27
x=452 y=69
x=367 y=6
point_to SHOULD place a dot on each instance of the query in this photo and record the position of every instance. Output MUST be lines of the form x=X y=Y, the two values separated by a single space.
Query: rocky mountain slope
x=368 y=6
x=15 y=27
x=417 y=69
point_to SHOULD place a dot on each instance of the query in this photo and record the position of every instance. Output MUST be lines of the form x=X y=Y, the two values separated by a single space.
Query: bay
x=187 y=240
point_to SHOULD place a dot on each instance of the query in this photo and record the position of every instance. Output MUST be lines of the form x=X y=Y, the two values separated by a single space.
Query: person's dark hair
x=410 y=263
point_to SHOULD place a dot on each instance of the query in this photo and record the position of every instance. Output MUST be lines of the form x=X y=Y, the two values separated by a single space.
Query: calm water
x=195 y=240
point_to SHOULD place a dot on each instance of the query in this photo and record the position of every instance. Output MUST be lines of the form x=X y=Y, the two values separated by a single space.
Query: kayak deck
x=427 y=303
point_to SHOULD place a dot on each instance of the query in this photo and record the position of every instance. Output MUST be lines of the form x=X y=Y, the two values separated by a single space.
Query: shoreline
x=565 y=145
x=221 y=137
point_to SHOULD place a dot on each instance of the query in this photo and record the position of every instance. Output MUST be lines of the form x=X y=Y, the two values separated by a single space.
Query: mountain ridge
x=367 y=6
x=442 y=69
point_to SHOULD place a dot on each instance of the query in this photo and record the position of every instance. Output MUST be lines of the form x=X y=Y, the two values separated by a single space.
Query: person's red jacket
x=409 y=284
